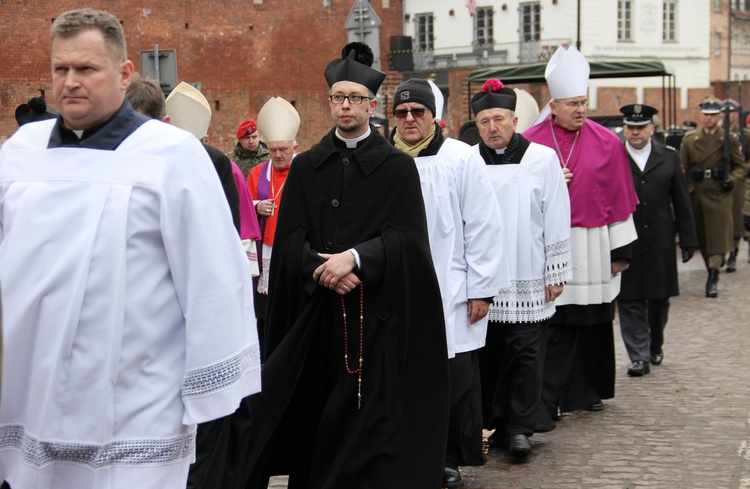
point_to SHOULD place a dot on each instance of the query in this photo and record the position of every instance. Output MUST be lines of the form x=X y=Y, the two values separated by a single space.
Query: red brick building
x=241 y=51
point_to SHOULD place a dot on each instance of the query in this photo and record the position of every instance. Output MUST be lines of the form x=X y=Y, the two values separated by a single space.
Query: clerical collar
x=106 y=136
x=352 y=143
x=500 y=151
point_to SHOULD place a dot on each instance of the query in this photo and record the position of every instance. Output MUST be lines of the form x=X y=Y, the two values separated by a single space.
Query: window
x=424 y=32
x=624 y=20
x=717 y=6
x=530 y=27
x=483 y=27
x=741 y=43
x=669 y=21
x=717 y=44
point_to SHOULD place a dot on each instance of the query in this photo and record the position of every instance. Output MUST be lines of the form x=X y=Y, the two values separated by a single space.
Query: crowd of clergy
x=360 y=314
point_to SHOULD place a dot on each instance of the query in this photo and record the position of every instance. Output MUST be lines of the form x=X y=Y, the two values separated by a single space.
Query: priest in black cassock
x=356 y=390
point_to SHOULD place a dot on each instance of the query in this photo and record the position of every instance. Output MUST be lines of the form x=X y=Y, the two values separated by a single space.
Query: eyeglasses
x=577 y=103
x=401 y=113
x=353 y=99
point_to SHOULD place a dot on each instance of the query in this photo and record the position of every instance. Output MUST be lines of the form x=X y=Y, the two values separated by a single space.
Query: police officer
x=663 y=211
x=702 y=156
x=738 y=193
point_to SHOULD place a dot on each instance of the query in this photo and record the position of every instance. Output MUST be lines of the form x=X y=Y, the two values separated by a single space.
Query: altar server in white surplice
x=465 y=228
x=533 y=198
x=132 y=315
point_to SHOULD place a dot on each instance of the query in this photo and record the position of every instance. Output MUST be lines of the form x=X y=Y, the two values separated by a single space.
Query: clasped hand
x=337 y=272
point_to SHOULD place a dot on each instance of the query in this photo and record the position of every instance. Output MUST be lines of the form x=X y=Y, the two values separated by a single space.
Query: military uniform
x=702 y=157
x=740 y=204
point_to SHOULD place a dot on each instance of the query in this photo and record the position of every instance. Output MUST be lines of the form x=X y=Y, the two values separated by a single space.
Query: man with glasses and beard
x=579 y=368
x=465 y=228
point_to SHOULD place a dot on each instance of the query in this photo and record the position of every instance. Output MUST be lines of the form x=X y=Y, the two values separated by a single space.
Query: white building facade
x=445 y=36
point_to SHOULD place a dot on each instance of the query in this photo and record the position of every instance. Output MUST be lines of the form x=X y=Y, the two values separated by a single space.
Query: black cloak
x=306 y=421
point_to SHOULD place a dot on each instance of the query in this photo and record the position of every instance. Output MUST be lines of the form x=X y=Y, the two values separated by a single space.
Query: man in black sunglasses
x=465 y=229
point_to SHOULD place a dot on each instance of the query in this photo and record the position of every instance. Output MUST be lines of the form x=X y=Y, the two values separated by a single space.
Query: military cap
x=732 y=105
x=638 y=114
x=712 y=105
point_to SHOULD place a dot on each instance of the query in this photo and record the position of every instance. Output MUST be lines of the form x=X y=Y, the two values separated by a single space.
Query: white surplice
x=128 y=314
x=465 y=229
x=592 y=281
x=533 y=199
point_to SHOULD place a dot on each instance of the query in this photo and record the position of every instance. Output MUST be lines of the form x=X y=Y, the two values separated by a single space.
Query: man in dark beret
x=356 y=370
x=663 y=211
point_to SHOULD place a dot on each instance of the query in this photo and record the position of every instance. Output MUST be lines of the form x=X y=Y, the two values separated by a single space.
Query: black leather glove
x=727 y=185
x=687 y=254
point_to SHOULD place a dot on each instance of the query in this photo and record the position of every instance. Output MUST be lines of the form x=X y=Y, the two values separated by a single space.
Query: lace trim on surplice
x=221 y=375
x=558 y=267
x=523 y=302
x=129 y=452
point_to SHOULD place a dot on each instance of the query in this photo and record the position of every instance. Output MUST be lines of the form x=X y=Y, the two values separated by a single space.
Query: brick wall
x=241 y=52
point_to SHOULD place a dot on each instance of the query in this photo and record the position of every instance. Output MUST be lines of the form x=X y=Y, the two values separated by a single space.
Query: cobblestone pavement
x=683 y=426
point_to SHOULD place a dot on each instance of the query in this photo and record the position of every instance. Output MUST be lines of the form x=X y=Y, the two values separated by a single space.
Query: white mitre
x=439 y=100
x=526 y=109
x=567 y=75
x=278 y=120
x=188 y=109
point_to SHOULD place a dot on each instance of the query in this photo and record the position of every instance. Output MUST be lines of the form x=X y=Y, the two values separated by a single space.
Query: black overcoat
x=306 y=420
x=663 y=211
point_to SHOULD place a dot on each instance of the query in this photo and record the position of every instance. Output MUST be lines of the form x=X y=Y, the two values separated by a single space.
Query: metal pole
x=156 y=64
x=578 y=27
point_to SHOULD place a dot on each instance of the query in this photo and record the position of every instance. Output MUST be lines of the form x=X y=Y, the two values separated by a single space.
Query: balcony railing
x=483 y=55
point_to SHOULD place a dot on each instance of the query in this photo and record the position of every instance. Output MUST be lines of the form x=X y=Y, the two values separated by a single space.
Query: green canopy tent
x=534 y=73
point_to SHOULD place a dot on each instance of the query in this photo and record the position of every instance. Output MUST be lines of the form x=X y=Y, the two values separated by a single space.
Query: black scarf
x=492 y=158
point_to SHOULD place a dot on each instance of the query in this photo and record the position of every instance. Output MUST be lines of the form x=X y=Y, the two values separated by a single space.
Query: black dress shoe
x=639 y=369
x=595 y=406
x=657 y=358
x=451 y=477
x=497 y=439
x=520 y=446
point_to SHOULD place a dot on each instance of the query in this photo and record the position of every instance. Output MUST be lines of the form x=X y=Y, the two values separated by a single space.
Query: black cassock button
x=335 y=202
x=345 y=161
x=328 y=246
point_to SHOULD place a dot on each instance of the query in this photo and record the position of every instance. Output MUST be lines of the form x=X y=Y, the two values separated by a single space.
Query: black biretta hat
x=638 y=114
x=352 y=68
x=494 y=95
x=34 y=110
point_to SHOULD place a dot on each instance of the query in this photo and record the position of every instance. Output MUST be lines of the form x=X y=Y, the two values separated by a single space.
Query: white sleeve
x=212 y=279
x=483 y=232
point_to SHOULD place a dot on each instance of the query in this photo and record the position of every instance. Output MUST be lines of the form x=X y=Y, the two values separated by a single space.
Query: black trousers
x=511 y=365
x=465 y=422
